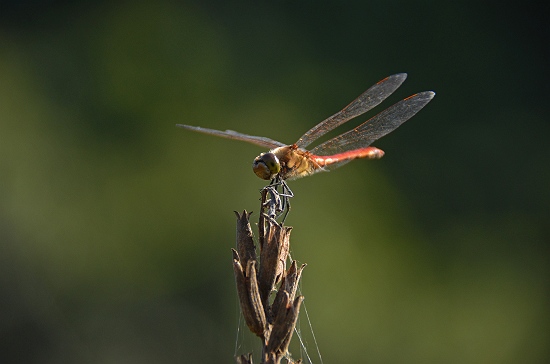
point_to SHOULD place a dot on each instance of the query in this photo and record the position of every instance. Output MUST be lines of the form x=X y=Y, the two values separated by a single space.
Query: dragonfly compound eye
x=266 y=166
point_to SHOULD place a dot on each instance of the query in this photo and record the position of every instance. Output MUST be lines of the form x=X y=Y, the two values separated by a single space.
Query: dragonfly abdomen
x=368 y=152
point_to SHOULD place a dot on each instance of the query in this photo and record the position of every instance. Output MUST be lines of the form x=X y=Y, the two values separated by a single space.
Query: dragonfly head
x=266 y=166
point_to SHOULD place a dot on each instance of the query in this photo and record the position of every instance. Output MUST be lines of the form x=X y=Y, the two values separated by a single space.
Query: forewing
x=376 y=127
x=230 y=134
x=366 y=101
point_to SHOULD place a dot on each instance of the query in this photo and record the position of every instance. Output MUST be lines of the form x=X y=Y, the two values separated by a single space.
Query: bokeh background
x=116 y=227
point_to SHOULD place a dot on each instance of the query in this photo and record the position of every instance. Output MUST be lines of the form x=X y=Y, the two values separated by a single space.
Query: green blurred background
x=116 y=227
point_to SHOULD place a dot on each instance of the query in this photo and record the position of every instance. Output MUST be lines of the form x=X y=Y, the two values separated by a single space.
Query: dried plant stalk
x=273 y=322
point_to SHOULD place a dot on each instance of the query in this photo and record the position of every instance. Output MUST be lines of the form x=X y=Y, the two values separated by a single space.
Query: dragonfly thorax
x=287 y=162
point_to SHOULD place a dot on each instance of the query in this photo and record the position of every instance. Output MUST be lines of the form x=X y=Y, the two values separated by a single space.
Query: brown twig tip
x=283 y=326
x=249 y=296
x=245 y=238
x=258 y=316
x=273 y=256
x=289 y=285
x=244 y=215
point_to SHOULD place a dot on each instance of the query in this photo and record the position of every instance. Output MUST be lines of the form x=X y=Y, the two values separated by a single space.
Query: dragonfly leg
x=275 y=199
x=271 y=202
x=286 y=211
x=275 y=204
x=286 y=194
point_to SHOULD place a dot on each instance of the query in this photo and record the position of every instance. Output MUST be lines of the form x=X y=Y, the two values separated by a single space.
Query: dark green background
x=116 y=227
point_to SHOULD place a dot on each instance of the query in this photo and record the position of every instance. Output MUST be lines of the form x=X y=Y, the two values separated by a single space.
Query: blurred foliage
x=115 y=227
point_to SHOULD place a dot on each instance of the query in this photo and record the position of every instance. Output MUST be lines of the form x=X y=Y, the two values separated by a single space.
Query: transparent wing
x=230 y=134
x=366 y=101
x=374 y=128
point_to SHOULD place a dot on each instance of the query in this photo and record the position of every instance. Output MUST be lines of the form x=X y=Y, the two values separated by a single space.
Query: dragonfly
x=291 y=161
